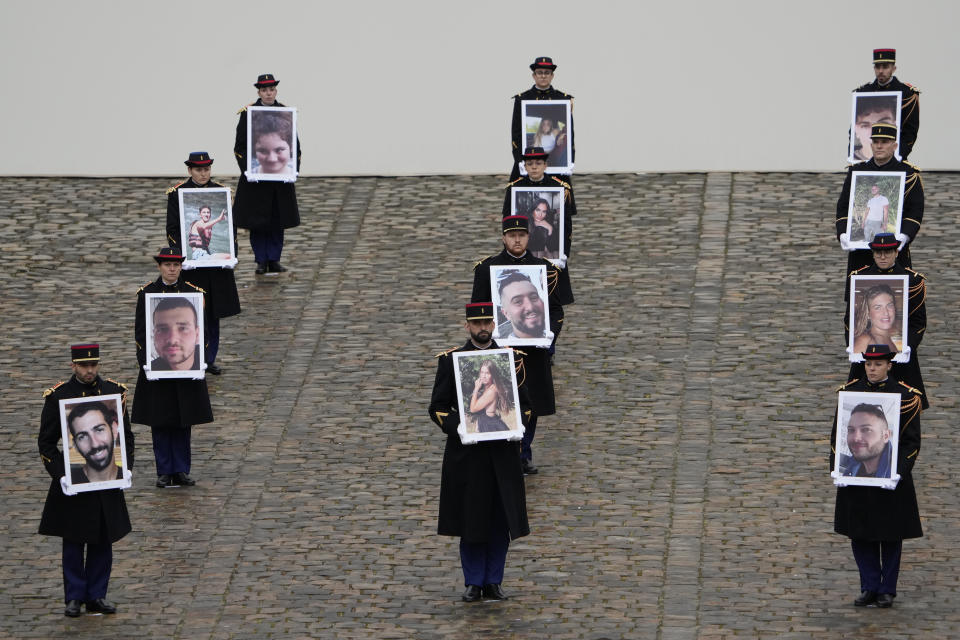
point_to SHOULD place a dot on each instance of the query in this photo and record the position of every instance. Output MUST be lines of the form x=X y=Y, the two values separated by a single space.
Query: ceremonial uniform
x=564 y=289
x=912 y=209
x=535 y=93
x=219 y=284
x=170 y=407
x=877 y=520
x=482 y=493
x=91 y=521
x=909 y=110
x=267 y=207
x=908 y=372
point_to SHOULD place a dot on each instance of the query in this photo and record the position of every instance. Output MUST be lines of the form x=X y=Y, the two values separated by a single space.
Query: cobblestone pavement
x=683 y=490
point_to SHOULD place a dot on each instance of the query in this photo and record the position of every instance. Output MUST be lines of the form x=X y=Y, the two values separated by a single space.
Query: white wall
x=119 y=87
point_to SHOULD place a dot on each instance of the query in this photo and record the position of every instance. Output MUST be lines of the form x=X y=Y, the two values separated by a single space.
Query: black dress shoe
x=183 y=479
x=866 y=597
x=275 y=267
x=527 y=467
x=73 y=609
x=214 y=369
x=885 y=600
x=261 y=268
x=101 y=605
x=163 y=481
x=472 y=594
x=493 y=592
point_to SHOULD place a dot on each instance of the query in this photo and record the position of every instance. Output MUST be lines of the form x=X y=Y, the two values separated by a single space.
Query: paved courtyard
x=684 y=490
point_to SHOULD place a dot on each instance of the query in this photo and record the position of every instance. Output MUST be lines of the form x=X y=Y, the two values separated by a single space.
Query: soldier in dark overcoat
x=267 y=207
x=534 y=161
x=906 y=365
x=884 y=66
x=542 y=89
x=884 y=142
x=877 y=520
x=172 y=406
x=91 y=521
x=219 y=283
x=539 y=372
x=482 y=495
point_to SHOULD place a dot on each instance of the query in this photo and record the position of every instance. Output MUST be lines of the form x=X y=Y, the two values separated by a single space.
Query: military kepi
x=85 y=352
x=884 y=55
x=884 y=240
x=534 y=153
x=266 y=80
x=198 y=159
x=516 y=223
x=480 y=311
x=878 y=352
x=884 y=130
x=168 y=254
x=543 y=62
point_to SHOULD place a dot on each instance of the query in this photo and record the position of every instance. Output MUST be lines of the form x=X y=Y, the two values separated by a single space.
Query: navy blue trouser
x=530 y=429
x=879 y=564
x=86 y=580
x=213 y=339
x=483 y=562
x=171 y=450
x=267 y=244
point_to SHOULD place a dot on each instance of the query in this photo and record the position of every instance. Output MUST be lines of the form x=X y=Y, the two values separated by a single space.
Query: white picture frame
x=519 y=293
x=873 y=107
x=890 y=187
x=557 y=141
x=273 y=130
x=212 y=246
x=543 y=242
x=870 y=314
x=169 y=333
x=848 y=466
x=88 y=424
x=500 y=392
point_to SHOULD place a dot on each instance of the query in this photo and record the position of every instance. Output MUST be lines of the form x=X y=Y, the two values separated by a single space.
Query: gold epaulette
x=847 y=384
x=176 y=186
x=119 y=384
x=856 y=271
x=561 y=182
x=194 y=286
x=912 y=87
x=216 y=184
x=443 y=353
x=480 y=262
x=53 y=388
x=915 y=273
x=510 y=184
x=909 y=388
x=143 y=287
x=912 y=166
x=245 y=108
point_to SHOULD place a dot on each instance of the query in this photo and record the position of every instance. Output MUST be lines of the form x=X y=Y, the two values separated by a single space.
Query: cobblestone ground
x=683 y=490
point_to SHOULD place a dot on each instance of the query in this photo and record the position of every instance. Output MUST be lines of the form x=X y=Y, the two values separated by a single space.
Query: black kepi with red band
x=543 y=62
x=266 y=80
x=516 y=223
x=883 y=241
x=884 y=130
x=878 y=352
x=198 y=159
x=884 y=55
x=169 y=254
x=480 y=311
x=85 y=352
x=535 y=153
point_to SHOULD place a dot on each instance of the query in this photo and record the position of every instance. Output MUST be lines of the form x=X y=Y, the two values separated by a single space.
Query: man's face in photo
x=522 y=305
x=867 y=434
x=93 y=437
x=175 y=334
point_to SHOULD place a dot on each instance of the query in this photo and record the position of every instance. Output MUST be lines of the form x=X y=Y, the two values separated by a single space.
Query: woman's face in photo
x=484 y=374
x=540 y=212
x=883 y=312
x=273 y=153
x=546 y=125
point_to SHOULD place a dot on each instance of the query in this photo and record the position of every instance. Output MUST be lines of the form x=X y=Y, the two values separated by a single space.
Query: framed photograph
x=876 y=205
x=520 y=305
x=544 y=207
x=868 y=429
x=206 y=228
x=878 y=312
x=546 y=123
x=487 y=395
x=94 y=451
x=174 y=336
x=271 y=144
x=870 y=108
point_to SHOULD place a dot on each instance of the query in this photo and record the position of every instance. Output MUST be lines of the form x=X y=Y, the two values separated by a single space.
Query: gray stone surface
x=683 y=490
